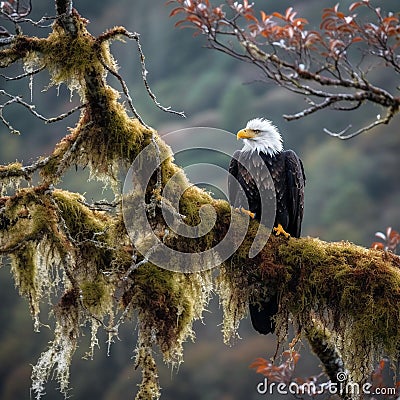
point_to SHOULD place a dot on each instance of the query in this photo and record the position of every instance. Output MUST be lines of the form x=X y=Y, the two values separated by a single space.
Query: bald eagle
x=284 y=184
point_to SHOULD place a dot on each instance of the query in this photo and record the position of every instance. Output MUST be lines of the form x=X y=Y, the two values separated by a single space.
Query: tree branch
x=98 y=271
x=304 y=61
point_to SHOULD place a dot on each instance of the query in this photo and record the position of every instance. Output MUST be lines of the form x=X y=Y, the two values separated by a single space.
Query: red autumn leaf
x=176 y=11
x=326 y=13
x=340 y=15
x=355 y=5
x=218 y=12
x=251 y=17
x=336 y=8
x=264 y=16
x=259 y=362
x=292 y=355
x=278 y=15
x=377 y=246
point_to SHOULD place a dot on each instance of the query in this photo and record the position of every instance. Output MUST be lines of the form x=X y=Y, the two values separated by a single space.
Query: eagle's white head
x=262 y=136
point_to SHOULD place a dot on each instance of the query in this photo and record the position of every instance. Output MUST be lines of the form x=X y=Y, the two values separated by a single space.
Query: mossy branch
x=62 y=248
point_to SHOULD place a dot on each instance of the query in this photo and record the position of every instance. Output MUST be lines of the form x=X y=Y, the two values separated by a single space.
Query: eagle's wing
x=295 y=181
x=233 y=184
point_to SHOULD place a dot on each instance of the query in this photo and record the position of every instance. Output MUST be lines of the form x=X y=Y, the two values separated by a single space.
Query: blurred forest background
x=352 y=189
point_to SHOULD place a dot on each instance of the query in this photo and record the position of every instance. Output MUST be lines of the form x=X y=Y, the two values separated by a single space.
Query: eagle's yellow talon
x=247 y=212
x=280 y=231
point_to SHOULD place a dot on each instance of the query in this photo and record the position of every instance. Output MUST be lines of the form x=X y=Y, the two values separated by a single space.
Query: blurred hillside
x=352 y=187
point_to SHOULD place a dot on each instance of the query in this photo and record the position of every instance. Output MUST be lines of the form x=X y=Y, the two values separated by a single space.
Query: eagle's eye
x=256 y=131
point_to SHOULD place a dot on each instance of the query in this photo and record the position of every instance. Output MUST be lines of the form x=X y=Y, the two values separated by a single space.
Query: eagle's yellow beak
x=245 y=134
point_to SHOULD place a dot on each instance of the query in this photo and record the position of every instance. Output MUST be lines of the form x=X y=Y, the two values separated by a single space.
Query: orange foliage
x=338 y=29
x=277 y=373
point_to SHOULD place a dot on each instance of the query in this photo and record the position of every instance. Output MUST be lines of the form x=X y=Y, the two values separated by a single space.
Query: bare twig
x=31 y=109
x=4 y=41
x=125 y=90
x=64 y=115
x=30 y=73
x=381 y=121
x=135 y=36
x=120 y=31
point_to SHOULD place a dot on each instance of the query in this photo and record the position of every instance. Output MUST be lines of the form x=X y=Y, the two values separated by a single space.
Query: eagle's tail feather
x=262 y=315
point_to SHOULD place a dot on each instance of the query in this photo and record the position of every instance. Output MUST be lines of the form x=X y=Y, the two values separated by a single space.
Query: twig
x=308 y=111
x=4 y=41
x=120 y=31
x=25 y=172
x=135 y=36
x=31 y=109
x=63 y=163
x=30 y=73
x=381 y=121
x=125 y=90
x=101 y=205
x=65 y=115
x=140 y=263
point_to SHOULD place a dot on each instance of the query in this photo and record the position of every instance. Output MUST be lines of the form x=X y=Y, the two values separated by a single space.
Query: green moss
x=168 y=303
x=149 y=388
x=111 y=138
x=52 y=171
x=352 y=290
x=24 y=269
x=96 y=295
x=80 y=220
x=12 y=168
x=108 y=133
x=128 y=136
x=28 y=216
x=66 y=57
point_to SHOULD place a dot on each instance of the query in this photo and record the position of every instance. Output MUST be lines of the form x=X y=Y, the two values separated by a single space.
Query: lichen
x=58 y=356
x=149 y=388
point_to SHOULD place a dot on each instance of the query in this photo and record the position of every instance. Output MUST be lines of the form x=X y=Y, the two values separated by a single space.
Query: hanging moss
x=66 y=57
x=109 y=135
x=28 y=215
x=168 y=303
x=149 y=387
x=80 y=221
x=24 y=269
x=96 y=295
x=92 y=145
x=354 y=291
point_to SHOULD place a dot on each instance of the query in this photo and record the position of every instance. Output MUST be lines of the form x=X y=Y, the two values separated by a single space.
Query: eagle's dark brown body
x=270 y=183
